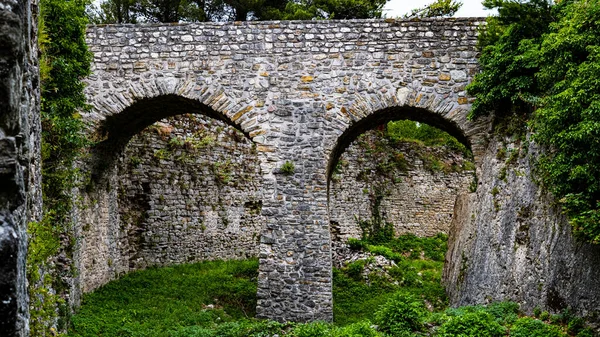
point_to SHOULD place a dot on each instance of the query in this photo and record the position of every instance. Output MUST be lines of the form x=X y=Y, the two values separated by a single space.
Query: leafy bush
x=315 y=329
x=402 y=313
x=360 y=329
x=356 y=244
x=504 y=312
x=410 y=131
x=530 y=327
x=472 y=324
x=541 y=59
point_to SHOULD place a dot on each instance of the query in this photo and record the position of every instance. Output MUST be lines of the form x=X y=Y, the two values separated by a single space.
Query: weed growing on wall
x=288 y=168
x=376 y=230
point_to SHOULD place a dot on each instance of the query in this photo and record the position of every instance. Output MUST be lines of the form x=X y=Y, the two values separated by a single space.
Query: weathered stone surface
x=303 y=91
x=187 y=191
x=417 y=199
x=510 y=242
x=19 y=158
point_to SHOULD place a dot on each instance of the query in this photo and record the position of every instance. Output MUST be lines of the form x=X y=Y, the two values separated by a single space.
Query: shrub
x=472 y=324
x=356 y=244
x=530 y=327
x=587 y=332
x=504 y=312
x=360 y=329
x=315 y=329
x=401 y=314
x=355 y=269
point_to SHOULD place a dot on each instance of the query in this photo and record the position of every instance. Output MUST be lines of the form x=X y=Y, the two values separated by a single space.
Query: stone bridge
x=301 y=91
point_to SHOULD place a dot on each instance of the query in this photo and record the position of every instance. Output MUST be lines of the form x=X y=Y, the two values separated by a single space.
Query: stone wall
x=509 y=241
x=419 y=186
x=187 y=189
x=20 y=194
x=301 y=90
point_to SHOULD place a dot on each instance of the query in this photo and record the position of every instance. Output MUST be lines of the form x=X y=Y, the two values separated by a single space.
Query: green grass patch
x=218 y=299
x=418 y=273
x=161 y=301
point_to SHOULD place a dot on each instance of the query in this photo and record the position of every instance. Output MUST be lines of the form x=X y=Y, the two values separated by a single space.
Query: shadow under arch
x=117 y=130
x=384 y=116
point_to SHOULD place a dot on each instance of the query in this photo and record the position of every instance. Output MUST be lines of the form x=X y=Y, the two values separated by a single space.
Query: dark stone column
x=19 y=158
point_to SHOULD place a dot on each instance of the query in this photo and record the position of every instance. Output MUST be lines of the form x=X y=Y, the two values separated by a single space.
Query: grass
x=354 y=300
x=160 y=301
x=218 y=298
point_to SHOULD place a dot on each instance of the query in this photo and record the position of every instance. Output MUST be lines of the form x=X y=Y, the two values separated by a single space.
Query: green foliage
x=472 y=324
x=331 y=9
x=355 y=300
x=288 y=168
x=217 y=299
x=507 y=83
x=401 y=314
x=316 y=329
x=438 y=8
x=410 y=131
x=375 y=230
x=530 y=327
x=132 y=11
x=64 y=61
x=157 y=300
x=543 y=58
x=222 y=172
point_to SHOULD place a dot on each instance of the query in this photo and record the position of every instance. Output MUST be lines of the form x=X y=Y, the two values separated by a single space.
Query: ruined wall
x=510 y=242
x=186 y=189
x=419 y=186
x=300 y=90
x=20 y=194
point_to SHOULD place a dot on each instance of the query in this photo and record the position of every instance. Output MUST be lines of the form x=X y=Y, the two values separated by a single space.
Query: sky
x=396 y=8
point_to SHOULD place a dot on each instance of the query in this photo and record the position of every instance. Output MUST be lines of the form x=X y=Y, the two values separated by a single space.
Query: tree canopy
x=132 y=11
x=542 y=61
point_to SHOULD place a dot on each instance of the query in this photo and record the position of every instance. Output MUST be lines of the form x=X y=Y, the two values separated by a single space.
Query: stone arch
x=115 y=118
x=445 y=113
x=366 y=112
x=118 y=115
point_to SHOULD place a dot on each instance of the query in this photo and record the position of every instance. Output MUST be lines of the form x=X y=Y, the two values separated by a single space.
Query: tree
x=542 y=61
x=439 y=8
x=119 y=11
x=132 y=11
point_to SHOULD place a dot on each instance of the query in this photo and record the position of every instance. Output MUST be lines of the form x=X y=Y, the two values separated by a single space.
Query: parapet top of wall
x=343 y=30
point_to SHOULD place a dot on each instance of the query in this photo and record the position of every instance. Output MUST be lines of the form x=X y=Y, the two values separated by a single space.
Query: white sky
x=395 y=8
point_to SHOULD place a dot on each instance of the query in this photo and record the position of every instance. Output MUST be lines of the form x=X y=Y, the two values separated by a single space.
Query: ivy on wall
x=64 y=62
x=541 y=61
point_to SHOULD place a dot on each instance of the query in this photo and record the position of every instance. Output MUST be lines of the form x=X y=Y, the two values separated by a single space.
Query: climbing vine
x=64 y=61
x=541 y=61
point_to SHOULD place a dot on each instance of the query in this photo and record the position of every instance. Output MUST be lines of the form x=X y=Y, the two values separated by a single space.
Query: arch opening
x=396 y=197
x=116 y=130
x=384 y=116
x=174 y=183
